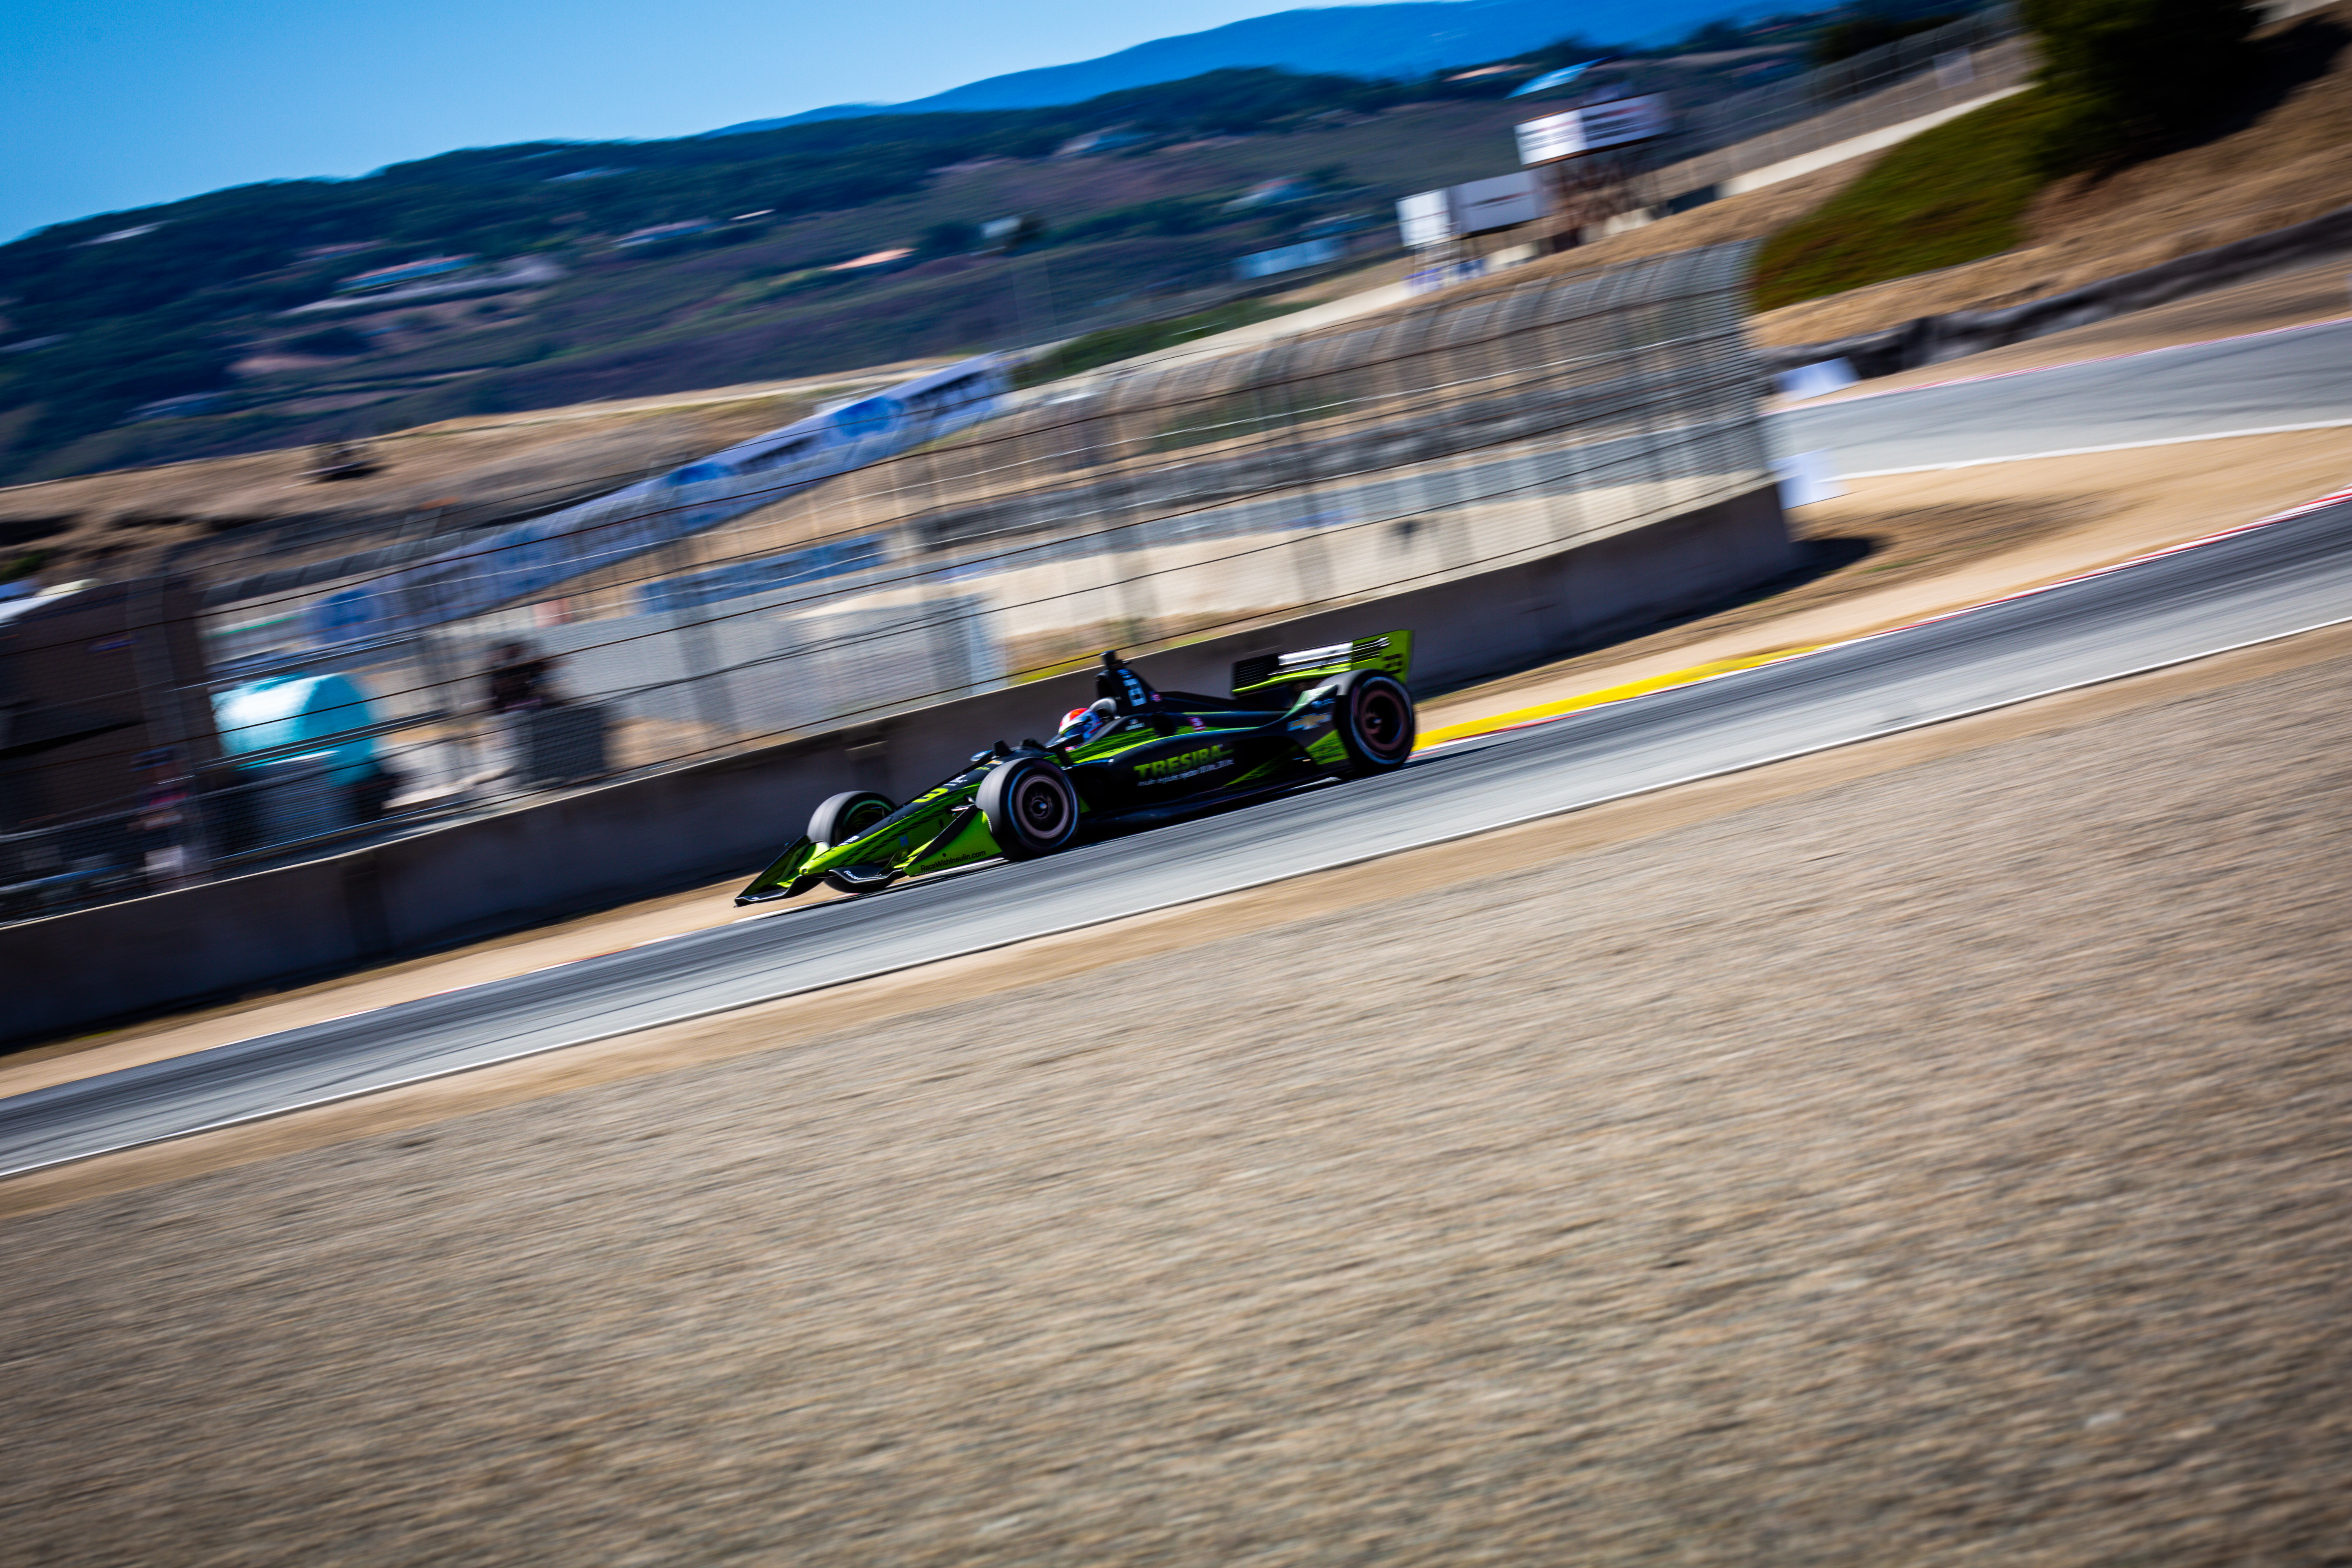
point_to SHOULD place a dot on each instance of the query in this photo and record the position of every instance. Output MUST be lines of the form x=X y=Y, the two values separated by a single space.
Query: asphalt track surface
x=2253 y=585
x=2264 y=382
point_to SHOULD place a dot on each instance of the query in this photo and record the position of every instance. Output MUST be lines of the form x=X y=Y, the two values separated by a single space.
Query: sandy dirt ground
x=1890 y=552
x=1945 y=1165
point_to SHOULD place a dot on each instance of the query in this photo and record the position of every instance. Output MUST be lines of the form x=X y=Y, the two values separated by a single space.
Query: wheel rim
x=1380 y=718
x=866 y=817
x=1041 y=808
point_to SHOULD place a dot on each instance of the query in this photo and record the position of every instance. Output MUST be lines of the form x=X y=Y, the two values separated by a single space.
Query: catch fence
x=1981 y=53
x=1182 y=500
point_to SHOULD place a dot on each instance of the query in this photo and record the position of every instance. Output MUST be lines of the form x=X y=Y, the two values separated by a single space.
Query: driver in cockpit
x=1080 y=725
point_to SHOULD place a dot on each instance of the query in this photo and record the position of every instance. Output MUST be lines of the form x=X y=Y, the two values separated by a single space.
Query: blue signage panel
x=523 y=562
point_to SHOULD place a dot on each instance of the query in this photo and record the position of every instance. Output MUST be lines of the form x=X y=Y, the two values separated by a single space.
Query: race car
x=1134 y=755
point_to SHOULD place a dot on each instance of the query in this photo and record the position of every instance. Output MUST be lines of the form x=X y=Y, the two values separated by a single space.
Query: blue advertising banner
x=524 y=562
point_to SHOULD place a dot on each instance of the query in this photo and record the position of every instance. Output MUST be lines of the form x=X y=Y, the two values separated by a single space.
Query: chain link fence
x=1982 y=53
x=1189 y=499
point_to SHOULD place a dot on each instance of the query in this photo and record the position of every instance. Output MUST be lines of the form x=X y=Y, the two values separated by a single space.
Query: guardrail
x=1932 y=339
x=1719 y=148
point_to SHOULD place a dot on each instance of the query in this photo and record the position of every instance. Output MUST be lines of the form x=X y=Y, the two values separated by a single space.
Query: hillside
x=227 y=304
x=548 y=273
x=2282 y=160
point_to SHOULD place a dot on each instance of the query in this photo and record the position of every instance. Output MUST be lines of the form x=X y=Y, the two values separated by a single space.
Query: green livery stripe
x=1390 y=654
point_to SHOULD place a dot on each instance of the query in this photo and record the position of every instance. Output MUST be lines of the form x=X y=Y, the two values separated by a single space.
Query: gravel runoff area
x=1947 y=1167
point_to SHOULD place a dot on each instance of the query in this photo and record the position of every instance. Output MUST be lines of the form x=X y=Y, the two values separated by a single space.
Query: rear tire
x=842 y=818
x=1373 y=715
x=1030 y=807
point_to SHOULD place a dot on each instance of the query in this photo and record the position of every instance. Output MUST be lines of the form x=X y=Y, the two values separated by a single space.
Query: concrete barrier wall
x=606 y=844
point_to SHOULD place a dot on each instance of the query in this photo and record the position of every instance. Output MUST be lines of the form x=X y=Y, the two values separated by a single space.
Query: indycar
x=1134 y=756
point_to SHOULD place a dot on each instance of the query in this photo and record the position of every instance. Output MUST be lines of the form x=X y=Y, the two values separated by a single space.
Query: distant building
x=1000 y=235
x=871 y=259
x=1290 y=258
x=120 y=234
x=1341 y=223
x=665 y=231
x=406 y=272
x=1273 y=192
x=1097 y=142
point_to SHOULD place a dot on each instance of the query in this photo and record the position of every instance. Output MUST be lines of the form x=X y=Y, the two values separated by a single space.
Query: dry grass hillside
x=2291 y=165
x=246 y=512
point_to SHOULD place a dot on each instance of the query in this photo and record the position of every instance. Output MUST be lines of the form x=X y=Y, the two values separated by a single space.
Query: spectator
x=518 y=680
x=158 y=825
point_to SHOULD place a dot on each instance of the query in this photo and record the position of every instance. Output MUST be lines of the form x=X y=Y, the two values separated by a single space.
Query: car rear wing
x=1390 y=653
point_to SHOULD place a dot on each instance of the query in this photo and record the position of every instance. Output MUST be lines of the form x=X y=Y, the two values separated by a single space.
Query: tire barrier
x=1932 y=339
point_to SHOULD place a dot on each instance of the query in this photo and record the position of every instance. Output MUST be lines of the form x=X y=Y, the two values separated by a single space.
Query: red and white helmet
x=1080 y=725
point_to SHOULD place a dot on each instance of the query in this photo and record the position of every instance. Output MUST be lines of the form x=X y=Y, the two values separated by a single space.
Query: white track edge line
x=2088 y=451
x=1339 y=865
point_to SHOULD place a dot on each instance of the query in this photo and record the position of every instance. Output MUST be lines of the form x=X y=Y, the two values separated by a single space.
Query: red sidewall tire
x=1031 y=807
x=1376 y=724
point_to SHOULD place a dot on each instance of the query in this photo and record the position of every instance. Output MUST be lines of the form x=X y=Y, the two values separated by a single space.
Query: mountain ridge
x=1409 y=37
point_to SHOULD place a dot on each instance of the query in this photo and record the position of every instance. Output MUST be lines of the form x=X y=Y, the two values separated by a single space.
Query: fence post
x=698 y=648
x=163 y=694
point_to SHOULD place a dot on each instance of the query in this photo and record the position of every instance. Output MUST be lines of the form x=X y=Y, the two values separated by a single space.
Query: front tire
x=1030 y=807
x=1373 y=715
x=842 y=818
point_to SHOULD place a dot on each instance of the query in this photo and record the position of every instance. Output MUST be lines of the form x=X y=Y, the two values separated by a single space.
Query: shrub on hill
x=1947 y=195
x=2122 y=77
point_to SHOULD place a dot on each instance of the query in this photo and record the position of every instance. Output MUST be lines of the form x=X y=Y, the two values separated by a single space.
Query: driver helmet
x=1080 y=725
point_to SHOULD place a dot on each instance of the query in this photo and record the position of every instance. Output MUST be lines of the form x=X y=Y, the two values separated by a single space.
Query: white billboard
x=1505 y=201
x=1592 y=128
x=1425 y=218
x=1481 y=207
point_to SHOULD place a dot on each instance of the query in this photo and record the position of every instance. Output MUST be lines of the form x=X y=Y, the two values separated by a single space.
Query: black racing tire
x=847 y=816
x=1374 y=716
x=1031 y=807
x=841 y=818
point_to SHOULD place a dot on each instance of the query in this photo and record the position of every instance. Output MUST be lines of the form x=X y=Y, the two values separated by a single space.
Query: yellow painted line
x=1536 y=714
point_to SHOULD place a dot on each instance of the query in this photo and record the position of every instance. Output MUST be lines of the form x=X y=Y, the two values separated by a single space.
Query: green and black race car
x=1136 y=755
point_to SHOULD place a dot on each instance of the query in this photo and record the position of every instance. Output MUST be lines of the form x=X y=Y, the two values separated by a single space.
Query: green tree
x=948 y=238
x=2121 y=78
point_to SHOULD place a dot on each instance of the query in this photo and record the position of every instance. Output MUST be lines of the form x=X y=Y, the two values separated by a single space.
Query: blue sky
x=117 y=105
